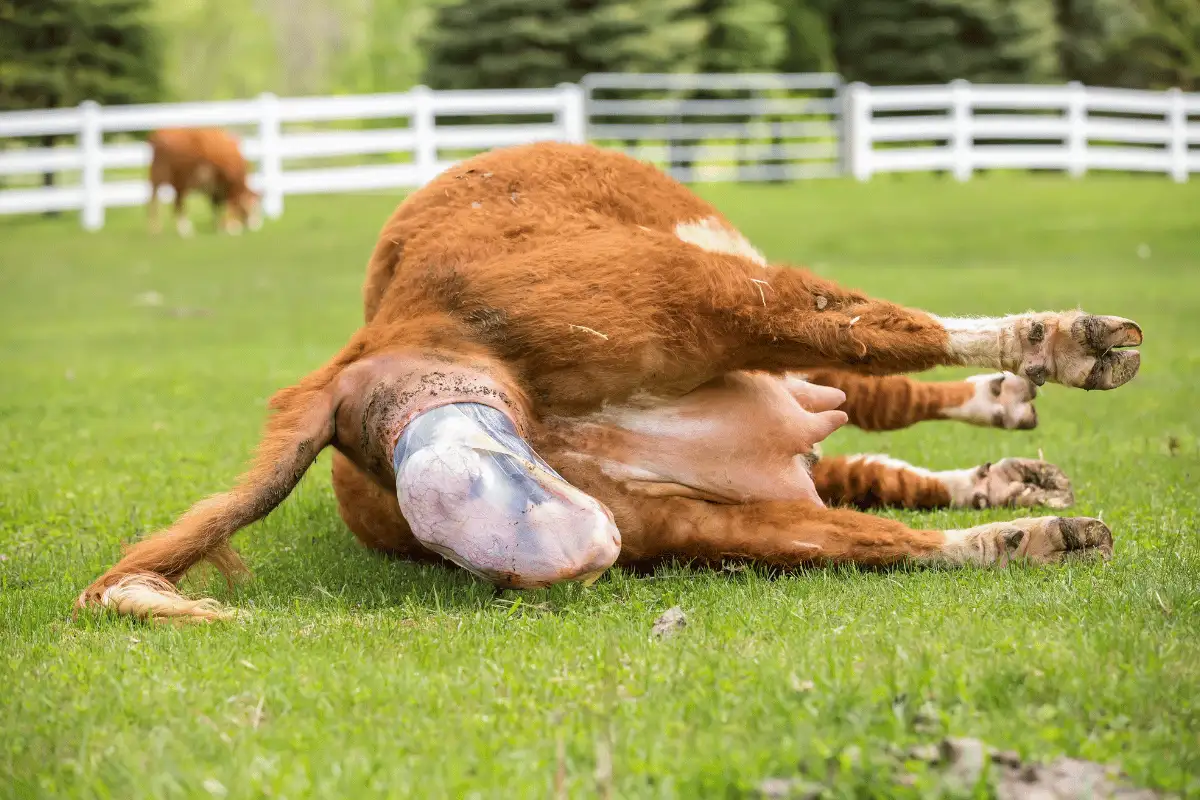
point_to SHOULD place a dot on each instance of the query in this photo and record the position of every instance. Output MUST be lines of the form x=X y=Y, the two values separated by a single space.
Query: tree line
x=60 y=52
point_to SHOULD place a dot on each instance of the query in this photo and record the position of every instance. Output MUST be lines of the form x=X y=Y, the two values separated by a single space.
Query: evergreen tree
x=1095 y=39
x=60 y=52
x=935 y=41
x=476 y=44
x=743 y=35
x=1165 y=50
x=56 y=53
x=808 y=36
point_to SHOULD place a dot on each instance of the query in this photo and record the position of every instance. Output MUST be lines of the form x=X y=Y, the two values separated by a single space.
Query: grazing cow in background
x=569 y=361
x=206 y=160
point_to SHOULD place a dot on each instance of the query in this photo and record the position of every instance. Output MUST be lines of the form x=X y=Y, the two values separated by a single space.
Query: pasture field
x=133 y=377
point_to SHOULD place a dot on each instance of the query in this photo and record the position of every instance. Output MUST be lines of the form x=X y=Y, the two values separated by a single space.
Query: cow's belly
x=739 y=439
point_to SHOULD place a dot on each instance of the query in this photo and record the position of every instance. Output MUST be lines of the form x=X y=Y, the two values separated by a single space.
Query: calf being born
x=569 y=361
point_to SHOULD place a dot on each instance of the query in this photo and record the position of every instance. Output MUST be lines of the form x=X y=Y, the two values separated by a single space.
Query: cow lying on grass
x=570 y=361
x=209 y=161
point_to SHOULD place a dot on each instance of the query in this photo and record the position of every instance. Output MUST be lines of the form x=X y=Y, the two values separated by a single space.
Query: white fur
x=980 y=409
x=888 y=461
x=183 y=226
x=714 y=236
x=958 y=547
x=960 y=483
x=981 y=545
x=985 y=544
x=977 y=341
x=1011 y=408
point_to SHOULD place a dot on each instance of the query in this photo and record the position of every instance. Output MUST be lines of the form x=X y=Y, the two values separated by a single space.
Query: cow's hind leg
x=885 y=403
x=153 y=217
x=183 y=225
x=805 y=322
x=873 y=481
x=786 y=534
x=160 y=175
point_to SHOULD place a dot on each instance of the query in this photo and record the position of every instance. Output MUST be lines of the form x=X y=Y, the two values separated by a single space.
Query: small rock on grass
x=671 y=622
x=960 y=764
x=1067 y=779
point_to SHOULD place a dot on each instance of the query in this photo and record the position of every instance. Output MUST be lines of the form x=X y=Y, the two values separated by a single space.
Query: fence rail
x=743 y=127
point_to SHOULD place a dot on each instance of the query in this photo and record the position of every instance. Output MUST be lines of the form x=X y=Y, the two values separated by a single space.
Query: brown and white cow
x=207 y=160
x=569 y=361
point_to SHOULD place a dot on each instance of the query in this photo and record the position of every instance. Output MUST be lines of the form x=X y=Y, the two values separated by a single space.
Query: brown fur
x=207 y=160
x=888 y=403
x=548 y=281
x=845 y=481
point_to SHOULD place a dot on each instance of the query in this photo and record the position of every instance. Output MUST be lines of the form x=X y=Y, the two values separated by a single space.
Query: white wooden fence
x=280 y=130
x=721 y=127
x=698 y=127
x=962 y=127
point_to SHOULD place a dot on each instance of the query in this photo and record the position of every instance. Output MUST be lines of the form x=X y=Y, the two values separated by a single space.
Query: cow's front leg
x=1068 y=347
x=804 y=322
x=869 y=481
x=890 y=402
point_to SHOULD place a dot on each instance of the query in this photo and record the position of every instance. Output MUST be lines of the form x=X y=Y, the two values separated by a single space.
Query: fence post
x=91 y=143
x=842 y=128
x=961 y=137
x=1177 y=118
x=856 y=130
x=270 y=155
x=1077 y=136
x=424 y=127
x=571 y=117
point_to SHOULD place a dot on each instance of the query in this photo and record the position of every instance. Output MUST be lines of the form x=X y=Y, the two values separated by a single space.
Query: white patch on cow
x=183 y=227
x=716 y=237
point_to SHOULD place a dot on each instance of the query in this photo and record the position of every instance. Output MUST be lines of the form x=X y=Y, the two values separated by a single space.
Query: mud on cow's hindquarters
x=648 y=387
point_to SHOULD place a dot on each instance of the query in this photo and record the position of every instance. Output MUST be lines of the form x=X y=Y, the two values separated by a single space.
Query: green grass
x=353 y=674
